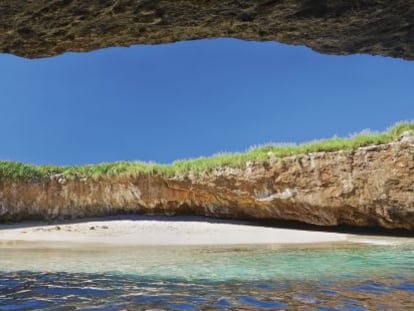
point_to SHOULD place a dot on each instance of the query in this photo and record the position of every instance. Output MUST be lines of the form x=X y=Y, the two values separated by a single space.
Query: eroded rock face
x=50 y=27
x=372 y=186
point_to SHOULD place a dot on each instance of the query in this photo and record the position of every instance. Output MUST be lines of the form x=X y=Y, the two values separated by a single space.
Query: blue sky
x=189 y=99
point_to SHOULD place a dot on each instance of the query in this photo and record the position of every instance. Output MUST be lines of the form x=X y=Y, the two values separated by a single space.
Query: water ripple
x=352 y=279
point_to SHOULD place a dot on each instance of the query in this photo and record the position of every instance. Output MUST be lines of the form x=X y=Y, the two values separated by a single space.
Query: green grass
x=19 y=171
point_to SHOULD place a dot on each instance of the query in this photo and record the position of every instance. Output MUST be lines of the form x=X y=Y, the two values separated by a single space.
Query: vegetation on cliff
x=16 y=170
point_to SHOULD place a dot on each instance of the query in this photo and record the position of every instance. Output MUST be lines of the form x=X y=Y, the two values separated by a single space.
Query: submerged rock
x=50 y=27
x=369 y=186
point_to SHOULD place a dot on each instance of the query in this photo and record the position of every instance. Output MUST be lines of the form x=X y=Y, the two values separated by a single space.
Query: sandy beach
x=137 y=230
x=147 y=230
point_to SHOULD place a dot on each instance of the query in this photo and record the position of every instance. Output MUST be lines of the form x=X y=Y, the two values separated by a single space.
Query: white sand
x=142 y=230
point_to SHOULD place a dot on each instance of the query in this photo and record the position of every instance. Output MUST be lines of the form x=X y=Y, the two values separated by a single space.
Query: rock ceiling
x=44 y=28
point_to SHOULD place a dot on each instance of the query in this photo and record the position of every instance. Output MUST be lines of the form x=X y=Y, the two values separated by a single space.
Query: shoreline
x=137 y=230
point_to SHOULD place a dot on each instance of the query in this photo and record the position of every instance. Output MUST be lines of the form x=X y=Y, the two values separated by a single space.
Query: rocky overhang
x=369 y=186
x=35 y=28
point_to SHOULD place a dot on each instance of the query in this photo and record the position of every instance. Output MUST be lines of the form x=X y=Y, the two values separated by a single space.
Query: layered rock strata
x=45 y=28
x=370 y=186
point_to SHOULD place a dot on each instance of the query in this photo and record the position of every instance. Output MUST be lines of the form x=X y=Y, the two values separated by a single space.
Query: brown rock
x=50 y=27
x=370 y=186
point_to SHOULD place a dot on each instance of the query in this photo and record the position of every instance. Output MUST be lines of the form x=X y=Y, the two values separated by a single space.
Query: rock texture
x=34 y=28
x=371 y=186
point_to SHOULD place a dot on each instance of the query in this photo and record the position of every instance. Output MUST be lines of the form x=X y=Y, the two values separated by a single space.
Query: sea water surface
x=307 y=277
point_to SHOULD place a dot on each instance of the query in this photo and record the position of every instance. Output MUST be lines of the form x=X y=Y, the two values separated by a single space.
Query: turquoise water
x=318 y=277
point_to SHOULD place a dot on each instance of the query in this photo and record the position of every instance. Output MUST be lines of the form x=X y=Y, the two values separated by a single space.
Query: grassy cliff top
x=16 y=170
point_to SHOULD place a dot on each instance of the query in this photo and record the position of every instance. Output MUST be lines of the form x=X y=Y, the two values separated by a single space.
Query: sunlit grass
x=15 y=170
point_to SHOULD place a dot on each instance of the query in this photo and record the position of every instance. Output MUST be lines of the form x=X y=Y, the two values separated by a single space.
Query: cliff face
x=371 y=186
x=49 y=27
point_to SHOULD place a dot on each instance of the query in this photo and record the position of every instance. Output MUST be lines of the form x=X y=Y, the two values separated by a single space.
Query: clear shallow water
x=324 y=277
